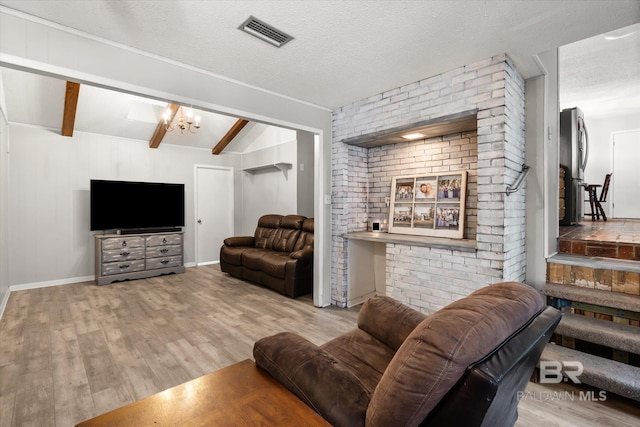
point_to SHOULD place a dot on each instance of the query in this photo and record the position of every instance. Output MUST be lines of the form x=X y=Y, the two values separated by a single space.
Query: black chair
x=594 y=201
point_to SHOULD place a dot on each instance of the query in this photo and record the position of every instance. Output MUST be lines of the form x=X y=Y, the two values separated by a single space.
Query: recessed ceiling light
x=412 y=136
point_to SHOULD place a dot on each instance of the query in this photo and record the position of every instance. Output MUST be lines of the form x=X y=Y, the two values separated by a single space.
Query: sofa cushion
x=267 y=225
x=232 y=254
x=285 y=237
x=240 y=241
x=292 y=221
x=275 y=264
x=305 y=239
x=437 y=353
x=252 y=258
x=388 y=320
x=315 y=376
x=362 y=354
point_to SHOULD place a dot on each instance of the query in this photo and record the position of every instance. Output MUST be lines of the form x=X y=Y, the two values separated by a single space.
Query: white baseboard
x=207 y=263
x=48 y=283
x=3 y=305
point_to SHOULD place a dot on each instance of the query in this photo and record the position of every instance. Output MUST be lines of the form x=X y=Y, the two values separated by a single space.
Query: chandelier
x=188 y=123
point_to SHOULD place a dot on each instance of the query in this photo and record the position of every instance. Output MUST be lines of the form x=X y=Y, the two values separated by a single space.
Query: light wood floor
x=68 y=353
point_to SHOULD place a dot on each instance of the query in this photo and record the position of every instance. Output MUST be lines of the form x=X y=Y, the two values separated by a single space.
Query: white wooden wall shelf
x=281 y=166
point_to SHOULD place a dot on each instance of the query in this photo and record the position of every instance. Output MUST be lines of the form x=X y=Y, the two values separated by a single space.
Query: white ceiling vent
x=265 y=32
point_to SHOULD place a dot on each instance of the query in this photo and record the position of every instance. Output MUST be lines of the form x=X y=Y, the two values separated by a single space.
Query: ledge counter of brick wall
x=464 y=245
x=367 y=252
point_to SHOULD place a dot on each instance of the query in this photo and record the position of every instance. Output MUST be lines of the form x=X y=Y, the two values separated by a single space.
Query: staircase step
x=597 y=248
x=603 y=332
x=596 y=262
x=622 y=276
x=599 y=297
x=616 y=377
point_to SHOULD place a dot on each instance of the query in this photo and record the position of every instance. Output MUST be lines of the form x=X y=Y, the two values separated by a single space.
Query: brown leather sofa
x=279 y=255
x=461 y=366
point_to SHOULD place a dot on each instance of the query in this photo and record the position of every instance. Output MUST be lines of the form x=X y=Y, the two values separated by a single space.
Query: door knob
x=199 y=221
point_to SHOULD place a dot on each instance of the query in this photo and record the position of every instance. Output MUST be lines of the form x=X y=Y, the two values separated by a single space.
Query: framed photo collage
x=428 y=205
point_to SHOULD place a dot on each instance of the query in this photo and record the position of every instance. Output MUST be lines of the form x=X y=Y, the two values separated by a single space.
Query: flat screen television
x=138 y=206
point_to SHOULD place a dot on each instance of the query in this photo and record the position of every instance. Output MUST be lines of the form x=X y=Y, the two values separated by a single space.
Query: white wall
x=542 y=155
x=535 y=152
x=4 y=201
x=270 y=137
x=49 y=179
x=269 y=191
x=305 y=173
x=601 y=130
x=548 y=62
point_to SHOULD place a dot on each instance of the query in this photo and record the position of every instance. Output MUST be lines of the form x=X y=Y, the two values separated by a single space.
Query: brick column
x=430 y=278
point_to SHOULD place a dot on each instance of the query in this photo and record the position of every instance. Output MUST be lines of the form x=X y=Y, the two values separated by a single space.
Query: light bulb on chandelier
x=190 y=123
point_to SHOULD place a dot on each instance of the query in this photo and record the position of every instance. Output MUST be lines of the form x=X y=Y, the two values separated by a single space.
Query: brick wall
x=429 y=278
x=448 y=153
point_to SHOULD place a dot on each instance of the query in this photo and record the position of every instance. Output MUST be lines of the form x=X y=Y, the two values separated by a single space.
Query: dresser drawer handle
x=124 y=253
x=164 y=261
x=122 y=267
x=164 y=251
x=124 y=243
x=164 y=240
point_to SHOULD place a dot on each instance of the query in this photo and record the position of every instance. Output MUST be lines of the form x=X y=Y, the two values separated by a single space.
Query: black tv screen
x=123 y=205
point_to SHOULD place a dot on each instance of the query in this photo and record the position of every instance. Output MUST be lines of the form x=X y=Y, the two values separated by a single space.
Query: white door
x=214 y=211
x=626 y=185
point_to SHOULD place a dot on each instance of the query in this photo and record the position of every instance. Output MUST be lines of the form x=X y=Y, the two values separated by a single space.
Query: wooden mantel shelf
x=464 y=245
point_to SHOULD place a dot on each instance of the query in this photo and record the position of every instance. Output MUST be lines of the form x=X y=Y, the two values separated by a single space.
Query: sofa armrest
x=240 y=241
x=316 y=377
x=388 y=320
x=303 y=254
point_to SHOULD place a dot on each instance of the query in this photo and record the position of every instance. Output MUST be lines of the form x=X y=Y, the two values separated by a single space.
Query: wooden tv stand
x=137 y=256
x=238 y=395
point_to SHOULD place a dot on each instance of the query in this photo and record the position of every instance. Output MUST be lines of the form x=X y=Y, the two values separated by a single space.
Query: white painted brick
x=429 y=278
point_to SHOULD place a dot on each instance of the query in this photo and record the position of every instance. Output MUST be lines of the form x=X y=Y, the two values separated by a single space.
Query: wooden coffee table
x=238 y=395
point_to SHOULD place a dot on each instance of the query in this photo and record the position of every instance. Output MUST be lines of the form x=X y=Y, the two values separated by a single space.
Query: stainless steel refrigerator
x=574 y=154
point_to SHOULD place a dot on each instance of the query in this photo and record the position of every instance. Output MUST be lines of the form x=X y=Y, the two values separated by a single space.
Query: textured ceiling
x=343 y=51
x=601 y=74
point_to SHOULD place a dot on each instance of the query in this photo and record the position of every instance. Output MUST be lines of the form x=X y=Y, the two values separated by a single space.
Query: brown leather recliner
x=463 y=365
x=279 y=255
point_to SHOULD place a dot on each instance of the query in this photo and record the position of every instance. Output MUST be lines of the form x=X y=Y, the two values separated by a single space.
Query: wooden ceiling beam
x=160 y=132
x=232 y=133
x=70 y=106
